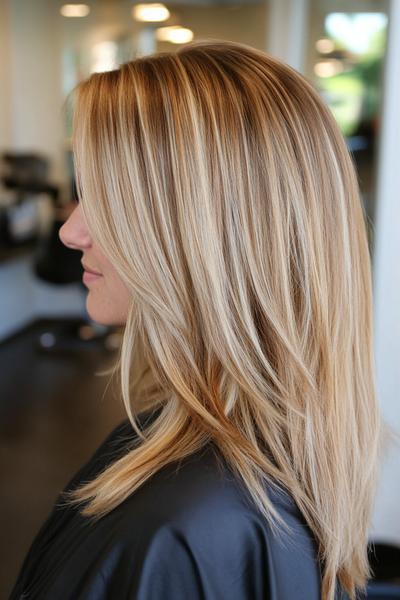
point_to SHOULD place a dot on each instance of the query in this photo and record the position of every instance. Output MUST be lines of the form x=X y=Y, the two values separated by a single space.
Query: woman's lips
x=88 y=276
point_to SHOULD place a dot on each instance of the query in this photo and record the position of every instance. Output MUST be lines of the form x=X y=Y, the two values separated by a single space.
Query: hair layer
x=219 y=185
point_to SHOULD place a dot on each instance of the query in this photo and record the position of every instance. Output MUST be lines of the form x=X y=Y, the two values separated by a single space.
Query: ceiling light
x=174 y=34
x=328 y=68
x=75 y=10
x=324 y=46
x=150 y=12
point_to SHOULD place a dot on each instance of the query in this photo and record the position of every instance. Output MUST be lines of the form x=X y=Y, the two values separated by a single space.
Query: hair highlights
x=219 y=185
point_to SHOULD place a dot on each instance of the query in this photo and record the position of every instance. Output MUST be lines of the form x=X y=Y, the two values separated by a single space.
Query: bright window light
x=355 y=30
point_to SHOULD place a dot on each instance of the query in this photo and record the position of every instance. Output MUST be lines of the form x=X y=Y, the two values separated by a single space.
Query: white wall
x=5 y=100
x=387 y=284
x=287 y=31
x=33 y=85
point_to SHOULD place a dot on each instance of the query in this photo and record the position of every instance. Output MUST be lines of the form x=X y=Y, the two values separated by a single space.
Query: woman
x=220 y=207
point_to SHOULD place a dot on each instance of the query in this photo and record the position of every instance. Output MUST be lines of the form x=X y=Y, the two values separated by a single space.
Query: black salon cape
x=188 y=533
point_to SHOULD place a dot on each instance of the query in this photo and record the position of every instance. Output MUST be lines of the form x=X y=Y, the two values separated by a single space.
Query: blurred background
x=54 y=411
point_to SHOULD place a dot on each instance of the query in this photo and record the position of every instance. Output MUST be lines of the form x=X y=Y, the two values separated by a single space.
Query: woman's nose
x=74 y=233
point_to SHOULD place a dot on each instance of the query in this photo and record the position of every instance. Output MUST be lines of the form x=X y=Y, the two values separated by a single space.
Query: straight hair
x=220 y=187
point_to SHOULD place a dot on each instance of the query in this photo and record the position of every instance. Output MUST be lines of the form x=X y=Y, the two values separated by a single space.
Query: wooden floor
x=54 y=412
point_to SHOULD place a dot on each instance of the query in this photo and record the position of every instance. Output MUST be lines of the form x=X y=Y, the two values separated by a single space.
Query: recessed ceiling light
x=75 y=10
x=328 y=68
x=174 y=34
x=150 y=12
x=324 y=45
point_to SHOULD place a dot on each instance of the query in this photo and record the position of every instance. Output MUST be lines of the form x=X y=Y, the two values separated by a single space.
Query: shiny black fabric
x=189 y=533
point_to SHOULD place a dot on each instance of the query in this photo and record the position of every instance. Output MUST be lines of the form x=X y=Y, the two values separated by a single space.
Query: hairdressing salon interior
x=55 y=408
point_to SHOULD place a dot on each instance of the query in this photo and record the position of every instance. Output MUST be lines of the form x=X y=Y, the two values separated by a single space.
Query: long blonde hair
x=217 y=182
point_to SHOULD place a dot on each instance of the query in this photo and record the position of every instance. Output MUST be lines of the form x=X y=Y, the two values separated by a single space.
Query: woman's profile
x=220 y=208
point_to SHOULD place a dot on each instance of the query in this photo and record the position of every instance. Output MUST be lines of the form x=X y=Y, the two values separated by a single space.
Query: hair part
x=219 y=185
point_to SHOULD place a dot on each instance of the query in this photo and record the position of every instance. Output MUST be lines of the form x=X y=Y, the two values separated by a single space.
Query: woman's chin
x=101 y=316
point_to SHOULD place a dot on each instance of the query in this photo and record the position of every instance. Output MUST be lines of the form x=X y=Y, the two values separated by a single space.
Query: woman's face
x=108 y=298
